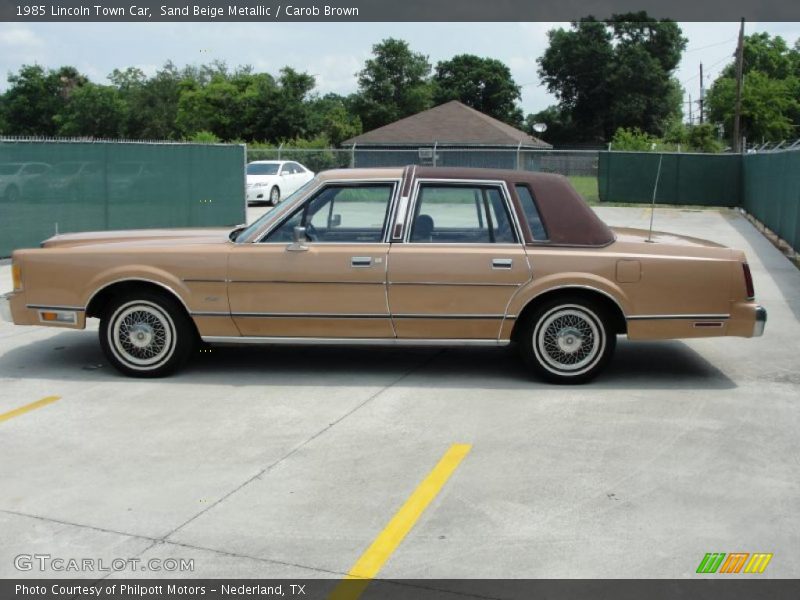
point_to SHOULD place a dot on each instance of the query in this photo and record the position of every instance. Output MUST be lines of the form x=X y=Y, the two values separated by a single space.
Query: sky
x=332 y=52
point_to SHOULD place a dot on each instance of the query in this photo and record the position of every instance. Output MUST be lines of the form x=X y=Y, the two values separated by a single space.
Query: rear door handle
x=361 y=261
x=502 y=263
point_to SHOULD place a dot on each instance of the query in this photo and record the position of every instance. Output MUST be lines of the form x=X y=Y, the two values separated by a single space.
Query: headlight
x=16 y=276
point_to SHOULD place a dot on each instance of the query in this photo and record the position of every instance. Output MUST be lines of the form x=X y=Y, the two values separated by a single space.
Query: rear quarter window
x=531 y=213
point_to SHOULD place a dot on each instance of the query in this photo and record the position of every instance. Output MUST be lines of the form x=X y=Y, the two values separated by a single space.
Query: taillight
x=16 y=276
x=748 y=282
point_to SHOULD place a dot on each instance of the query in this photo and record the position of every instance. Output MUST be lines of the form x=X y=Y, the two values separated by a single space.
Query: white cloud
x=17 y=37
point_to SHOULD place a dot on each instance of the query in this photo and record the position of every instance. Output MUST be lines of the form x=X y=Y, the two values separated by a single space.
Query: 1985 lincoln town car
x=416 y=256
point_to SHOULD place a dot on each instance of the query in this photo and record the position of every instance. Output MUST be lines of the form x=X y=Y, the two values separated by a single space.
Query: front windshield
x=262 y=169
x=67 y=168
x=256 y=225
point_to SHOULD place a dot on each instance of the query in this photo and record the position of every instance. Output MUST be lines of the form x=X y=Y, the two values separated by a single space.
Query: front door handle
x=502 y=263
x=361 y=261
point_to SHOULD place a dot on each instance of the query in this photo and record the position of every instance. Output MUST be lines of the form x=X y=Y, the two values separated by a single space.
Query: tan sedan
x=416 y=256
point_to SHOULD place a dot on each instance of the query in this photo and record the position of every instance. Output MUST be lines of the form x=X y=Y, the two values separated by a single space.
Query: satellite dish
x=540 y=127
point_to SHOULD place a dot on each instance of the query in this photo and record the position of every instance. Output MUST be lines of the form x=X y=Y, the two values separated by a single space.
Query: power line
x=710 y=45
x=708 y=75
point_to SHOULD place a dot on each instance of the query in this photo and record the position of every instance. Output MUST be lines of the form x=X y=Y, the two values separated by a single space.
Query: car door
x=459 y=263
x=291 y=178
x=330 y=284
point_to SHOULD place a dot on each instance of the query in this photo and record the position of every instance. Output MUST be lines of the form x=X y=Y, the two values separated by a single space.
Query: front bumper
x=258 y=194
x=761 y=321
x=5 y=308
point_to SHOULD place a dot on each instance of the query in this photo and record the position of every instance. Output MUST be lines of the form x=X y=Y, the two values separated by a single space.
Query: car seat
x=423 y=229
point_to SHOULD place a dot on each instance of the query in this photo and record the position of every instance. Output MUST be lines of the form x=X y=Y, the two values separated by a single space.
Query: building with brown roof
x=449 y=134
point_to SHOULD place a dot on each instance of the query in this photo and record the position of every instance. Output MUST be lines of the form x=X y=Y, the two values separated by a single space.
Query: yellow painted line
x=374 y=557
x=28 y=407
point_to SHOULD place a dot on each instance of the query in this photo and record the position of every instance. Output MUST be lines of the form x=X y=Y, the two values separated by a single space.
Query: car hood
x=138 y=236
x=261 y=178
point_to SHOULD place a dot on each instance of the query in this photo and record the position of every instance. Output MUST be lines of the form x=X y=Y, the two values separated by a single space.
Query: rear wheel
x=145 y=334
x=567 y=340
x=274 y=195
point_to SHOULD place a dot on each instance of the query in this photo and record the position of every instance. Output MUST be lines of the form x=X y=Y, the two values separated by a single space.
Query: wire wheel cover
x=568 y=339
x=142 y=334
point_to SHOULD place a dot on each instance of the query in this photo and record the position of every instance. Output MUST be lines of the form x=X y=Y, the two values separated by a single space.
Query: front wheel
x=274 y=196
x=146 y=334
x=567 y=340
x=12 y=194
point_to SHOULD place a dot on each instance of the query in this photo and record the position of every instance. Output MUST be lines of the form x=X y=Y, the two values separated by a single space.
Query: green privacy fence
x=700 y=179
x=766 y=185
x=83 y=186
x=771 y=192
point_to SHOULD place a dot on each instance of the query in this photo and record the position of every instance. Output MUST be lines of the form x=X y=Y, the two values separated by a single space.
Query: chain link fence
x=581 y=166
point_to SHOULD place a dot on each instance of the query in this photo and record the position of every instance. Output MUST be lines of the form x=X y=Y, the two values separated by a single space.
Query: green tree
x=329 y=117
x=152 y=103
x=392 y=85
x=560 y=129
x=619 y=73
x=94 y=111
x=703 y=138
x=485 y=84
x=770 y=94
x=633 y=140
x=35 y=96
x=767 y=106
x=290 y=117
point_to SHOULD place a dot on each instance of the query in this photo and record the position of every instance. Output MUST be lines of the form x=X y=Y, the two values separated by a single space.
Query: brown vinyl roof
x=452 y=123
x=569 y=221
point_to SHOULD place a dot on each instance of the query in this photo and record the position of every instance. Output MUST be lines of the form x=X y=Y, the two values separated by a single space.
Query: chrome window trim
x=401 y=205
x=504 y=192
x=279 y=218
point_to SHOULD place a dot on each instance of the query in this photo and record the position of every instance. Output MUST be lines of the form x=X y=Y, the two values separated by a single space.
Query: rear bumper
x=761 y=321
x=5 y=308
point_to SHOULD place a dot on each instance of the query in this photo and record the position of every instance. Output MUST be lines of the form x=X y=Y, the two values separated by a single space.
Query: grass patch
x=586 y=186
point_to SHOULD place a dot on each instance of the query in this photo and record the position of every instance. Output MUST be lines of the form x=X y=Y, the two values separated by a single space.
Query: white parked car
x=272 y=180
x=22 y=180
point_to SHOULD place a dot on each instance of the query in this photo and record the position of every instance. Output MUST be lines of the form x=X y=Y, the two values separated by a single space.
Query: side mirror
x=299 y=235
x=299 y=238
x=335 y=221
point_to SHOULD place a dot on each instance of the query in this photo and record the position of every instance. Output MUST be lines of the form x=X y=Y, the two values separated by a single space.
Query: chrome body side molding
x=684 y=317
x=301 y=341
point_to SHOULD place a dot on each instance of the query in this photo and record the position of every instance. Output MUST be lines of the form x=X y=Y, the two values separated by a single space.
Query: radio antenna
x=653 y=204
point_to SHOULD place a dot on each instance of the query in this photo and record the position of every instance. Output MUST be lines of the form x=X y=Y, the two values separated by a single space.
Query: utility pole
x=691 y=117
x=702 y=93
x=737 y=113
